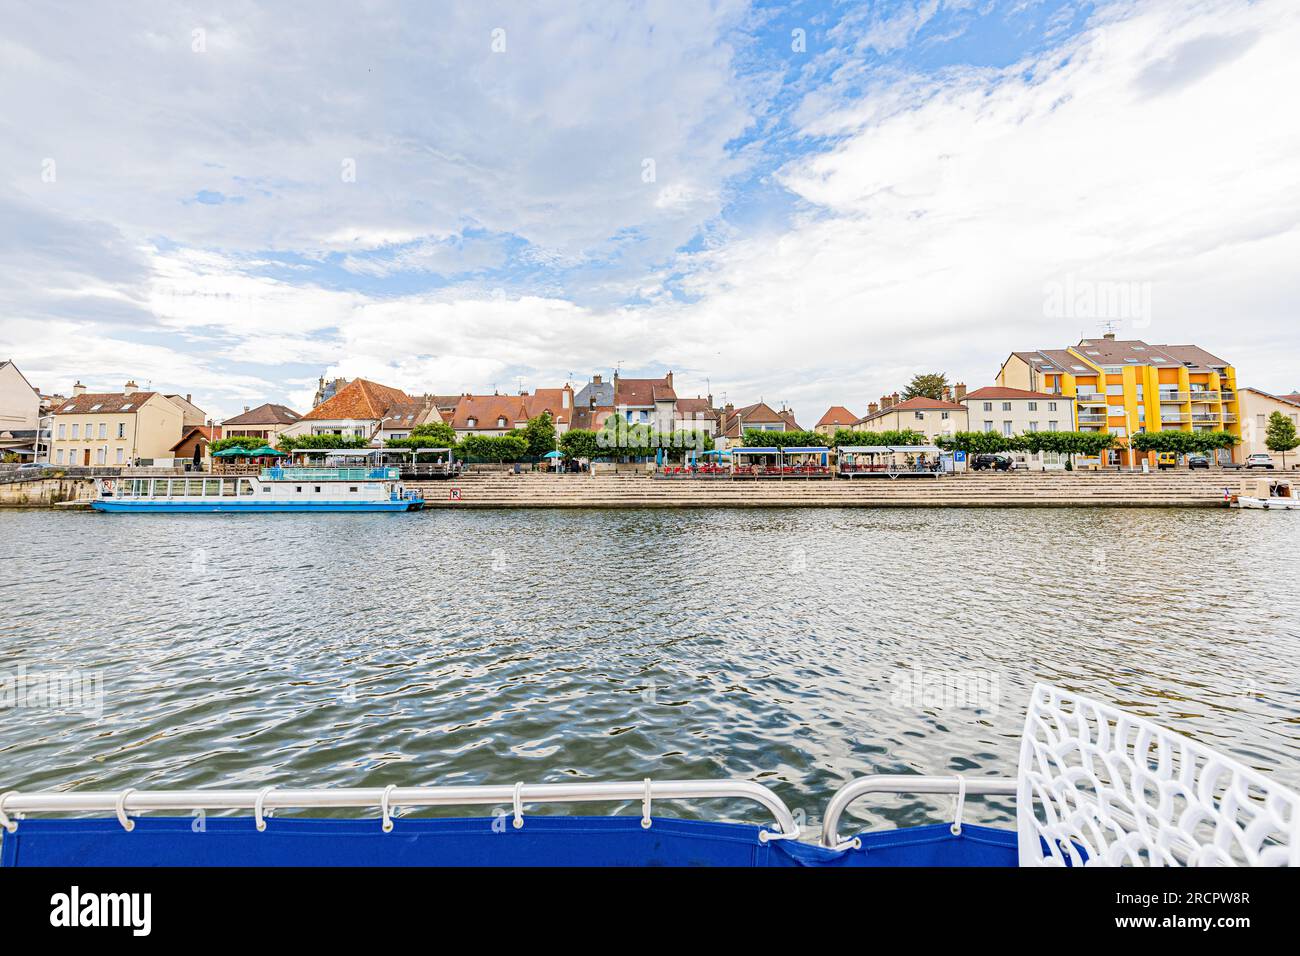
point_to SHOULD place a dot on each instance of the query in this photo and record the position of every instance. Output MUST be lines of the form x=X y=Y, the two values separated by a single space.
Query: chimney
x=245 y=409
x=946 y=395
x=893 y=399
x=596 y=380
x=1109 y=336
x=872 y=408
x=669 y=378
x=885 y=401
x=960 y=391
x=189 y=397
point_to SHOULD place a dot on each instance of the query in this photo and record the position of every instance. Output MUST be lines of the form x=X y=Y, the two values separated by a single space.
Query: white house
x=1018 y=411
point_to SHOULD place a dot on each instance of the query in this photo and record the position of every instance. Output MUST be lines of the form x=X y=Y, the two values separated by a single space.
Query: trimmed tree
x=905 y=436
x=579 y=443
x=1281 y=435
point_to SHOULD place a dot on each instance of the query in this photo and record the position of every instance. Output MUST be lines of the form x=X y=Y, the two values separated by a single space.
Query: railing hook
x=519 y=805
x=645 y=806
x=10 y=825
x=127 y=823
x=384 y=808
x=259 y=815
x=961 y=802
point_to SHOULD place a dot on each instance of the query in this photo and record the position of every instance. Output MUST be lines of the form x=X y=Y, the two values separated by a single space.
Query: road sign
x=455 y=494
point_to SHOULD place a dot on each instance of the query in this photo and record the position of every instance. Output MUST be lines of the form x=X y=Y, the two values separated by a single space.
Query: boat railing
x=330 y=474
x=387 y=799
x=906 y=783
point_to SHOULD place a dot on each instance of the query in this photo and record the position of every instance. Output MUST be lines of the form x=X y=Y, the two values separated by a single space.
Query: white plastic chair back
x=1101 y=787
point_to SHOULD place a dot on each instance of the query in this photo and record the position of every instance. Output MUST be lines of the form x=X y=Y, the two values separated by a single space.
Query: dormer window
x=501 y=422
x=472 y=422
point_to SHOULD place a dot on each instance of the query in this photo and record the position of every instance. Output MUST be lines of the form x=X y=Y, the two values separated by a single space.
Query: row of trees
x=1183 y=443
x=1088 y=444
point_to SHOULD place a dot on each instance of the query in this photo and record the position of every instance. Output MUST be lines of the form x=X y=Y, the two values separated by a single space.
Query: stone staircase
x=982 y=489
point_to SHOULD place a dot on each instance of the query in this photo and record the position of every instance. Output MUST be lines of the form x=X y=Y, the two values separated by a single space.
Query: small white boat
x=1267 y=494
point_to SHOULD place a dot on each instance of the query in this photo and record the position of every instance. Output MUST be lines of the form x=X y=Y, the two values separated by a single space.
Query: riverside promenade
x=974 y=490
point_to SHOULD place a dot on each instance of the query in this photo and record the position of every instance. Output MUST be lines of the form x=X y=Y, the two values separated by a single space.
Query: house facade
x=734 y=422
x=114 y=428
x=1125 y=386
x=1015 y=411
x=836 y=417
x=194 y=416
x=1256 y=408
x=355 y=411
x=195 y=438
x=934 y=418
x=696 y=415
x=496 y=414
x=646 y=401
x=20 y=403
x=266 y=422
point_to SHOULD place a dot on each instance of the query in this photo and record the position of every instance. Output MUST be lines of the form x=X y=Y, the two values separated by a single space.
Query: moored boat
x=1267 y=494
x=275 y=489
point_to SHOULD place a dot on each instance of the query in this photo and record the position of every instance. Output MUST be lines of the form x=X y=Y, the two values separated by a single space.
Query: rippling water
x=798 y=648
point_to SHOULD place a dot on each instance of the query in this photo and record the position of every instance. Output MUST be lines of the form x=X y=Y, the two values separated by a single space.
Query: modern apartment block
x=1128 y=386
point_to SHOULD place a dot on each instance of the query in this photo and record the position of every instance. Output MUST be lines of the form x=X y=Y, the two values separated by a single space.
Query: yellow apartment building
x=114 y=428
x=1128 y=386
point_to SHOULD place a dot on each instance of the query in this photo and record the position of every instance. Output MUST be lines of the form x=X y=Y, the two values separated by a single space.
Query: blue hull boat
x=275 y=489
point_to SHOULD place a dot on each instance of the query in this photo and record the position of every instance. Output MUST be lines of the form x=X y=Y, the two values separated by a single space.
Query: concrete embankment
x=978 y=490
x=47 y=493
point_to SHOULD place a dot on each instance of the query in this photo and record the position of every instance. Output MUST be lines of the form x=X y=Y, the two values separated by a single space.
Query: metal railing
x=905 y=783
x=386 y=799
x=1091 y=398
x=330 y=474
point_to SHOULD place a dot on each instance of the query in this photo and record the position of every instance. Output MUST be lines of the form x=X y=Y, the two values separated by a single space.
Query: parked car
x=31 y=466
x=1198 y=461
x=998 y=462
x=1166 y=459
x=1259 y=460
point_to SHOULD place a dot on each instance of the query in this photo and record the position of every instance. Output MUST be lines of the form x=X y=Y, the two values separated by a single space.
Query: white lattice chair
x=1123 y=790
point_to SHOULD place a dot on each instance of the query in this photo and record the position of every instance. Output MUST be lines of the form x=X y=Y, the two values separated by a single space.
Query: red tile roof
x=837 y=415
x=515 y=409
x=998 y=392
x=695 y=409
x=643 y=392
x=359 y=400
x=108 y=403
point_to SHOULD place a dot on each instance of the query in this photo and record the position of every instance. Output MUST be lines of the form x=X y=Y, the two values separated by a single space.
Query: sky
x=802 y=203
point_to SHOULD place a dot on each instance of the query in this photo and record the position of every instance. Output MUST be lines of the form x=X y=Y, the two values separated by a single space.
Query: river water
x=797 y=648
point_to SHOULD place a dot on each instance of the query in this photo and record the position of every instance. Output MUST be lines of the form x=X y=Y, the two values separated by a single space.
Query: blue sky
x=233 y=200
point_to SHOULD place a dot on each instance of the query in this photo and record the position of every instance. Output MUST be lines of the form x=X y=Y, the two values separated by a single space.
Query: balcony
x=1208 y=419
x=1090 y=398
x=1088 y=419
x=1200 y=396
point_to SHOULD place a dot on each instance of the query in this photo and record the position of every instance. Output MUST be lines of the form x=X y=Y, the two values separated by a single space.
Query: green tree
x=580 y=443
x=930 y=385
x=849 y=437
x=493 y=448
x=539 y=434
x=1281 y=435
x=294 y=442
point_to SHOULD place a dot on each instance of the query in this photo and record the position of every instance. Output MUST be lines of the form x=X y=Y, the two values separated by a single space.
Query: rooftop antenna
x=1109 y=326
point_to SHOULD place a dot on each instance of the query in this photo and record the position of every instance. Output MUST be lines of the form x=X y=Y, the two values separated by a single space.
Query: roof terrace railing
x=330 y=474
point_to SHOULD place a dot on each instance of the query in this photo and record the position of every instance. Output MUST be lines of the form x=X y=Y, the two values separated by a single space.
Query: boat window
x=230 y=488
x=298 y=488
x=317 y=489
x=212 y=486
x=353 y=489
x=266 y=489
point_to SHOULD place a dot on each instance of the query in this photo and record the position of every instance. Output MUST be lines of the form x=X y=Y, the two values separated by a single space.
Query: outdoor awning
x=756 y=451
x=807 y=450
x=865 y=449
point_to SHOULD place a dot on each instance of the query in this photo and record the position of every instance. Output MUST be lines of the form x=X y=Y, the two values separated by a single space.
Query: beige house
x=20 y=404
x=114 y=428
x=265 y=422
x=194 y=416
x=1256 y=408
x=932 y=417
x=1018 y=411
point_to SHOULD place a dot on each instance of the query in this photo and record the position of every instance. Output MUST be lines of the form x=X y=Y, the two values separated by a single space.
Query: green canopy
x=234 y=451
x=267 y=450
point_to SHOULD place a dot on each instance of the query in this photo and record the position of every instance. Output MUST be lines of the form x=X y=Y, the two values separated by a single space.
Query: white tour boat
x=275 y=489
